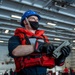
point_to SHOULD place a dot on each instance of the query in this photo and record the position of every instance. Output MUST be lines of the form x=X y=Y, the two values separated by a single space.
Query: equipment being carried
x=57 y=51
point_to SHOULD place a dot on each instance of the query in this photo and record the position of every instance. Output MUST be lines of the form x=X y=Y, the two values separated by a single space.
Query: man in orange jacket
x=20 y=47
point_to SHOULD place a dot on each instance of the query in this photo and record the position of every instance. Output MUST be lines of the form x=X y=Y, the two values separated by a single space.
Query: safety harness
x=34 y=59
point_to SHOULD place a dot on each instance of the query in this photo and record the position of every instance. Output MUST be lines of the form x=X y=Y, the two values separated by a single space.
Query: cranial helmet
x=28 y=14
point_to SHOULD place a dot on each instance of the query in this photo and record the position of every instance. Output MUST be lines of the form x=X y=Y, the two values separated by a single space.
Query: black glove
x=65 y=51
x=48 y=48
x=43 y=47
x=38 y=46
x=60 y=61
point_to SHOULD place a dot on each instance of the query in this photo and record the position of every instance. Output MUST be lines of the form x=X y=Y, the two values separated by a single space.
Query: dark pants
x=22 y=73
x=66 y=74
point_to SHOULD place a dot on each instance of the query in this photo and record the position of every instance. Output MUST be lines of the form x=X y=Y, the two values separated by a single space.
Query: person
x=71 y=71
x=11 y=71
x=31 y=49
x=5 y=73
x=66 y=71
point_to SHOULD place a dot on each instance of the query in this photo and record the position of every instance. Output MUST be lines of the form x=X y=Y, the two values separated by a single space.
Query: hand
x=48 y=48
x=60 y=60
x=65 y=51
x=44 y=47
x=38 y=46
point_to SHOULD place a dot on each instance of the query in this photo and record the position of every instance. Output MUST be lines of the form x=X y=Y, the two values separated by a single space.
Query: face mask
x=34 y=25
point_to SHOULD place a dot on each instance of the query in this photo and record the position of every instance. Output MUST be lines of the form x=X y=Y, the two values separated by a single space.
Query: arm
x=16 y=49
x=23 y=50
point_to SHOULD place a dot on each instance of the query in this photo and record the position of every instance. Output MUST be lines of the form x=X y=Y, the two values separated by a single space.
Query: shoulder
x=14 y=38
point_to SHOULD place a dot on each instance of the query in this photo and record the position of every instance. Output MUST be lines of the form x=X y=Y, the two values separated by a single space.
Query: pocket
x=47 y=61
x=29 y=62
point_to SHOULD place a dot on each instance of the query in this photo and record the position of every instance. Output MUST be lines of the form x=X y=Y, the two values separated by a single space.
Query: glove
x=65 y=51
x=60 y=61
x=43 y=47
x=48 y=48
x=38 y=46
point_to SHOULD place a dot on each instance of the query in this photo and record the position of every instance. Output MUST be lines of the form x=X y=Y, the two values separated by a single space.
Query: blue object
x=28 y=14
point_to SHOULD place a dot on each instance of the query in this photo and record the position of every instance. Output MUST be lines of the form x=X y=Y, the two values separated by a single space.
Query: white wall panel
x=3 y=57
